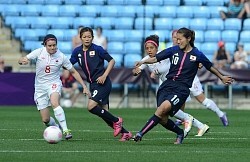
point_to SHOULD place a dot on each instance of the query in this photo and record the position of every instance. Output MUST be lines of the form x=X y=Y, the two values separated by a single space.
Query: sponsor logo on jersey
x=92 y=53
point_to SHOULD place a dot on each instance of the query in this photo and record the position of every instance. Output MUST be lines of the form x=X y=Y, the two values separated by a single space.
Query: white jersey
x=161 y=68
x=48 y=66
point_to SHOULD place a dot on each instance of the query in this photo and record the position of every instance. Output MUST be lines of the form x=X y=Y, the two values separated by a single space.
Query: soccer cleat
x=137 y=137
x=125 y=137
x=67 y=134
x=178 y=122
x=188 y=124
x=117 y=127
x=224 y=119
x=202 y=131
x=179 y=139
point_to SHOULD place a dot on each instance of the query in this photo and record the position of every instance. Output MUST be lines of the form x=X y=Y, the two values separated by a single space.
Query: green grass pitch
x=21 y=138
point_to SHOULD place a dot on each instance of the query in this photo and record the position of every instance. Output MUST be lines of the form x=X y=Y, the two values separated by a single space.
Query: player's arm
x=23 y=60
x=225 y=79
x=150 y=60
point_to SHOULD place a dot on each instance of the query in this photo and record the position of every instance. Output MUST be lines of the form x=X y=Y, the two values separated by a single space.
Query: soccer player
x=90 y=57
x=49 y=61
x=197 y=92
x=173 y=92
x=157 y=69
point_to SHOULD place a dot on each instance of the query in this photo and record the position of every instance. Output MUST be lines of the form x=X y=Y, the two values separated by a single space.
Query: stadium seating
x=130 y=59
x=198 y=24
x=184 y=12
x=68 y=10
x=230 y=36
x=167 y=11
x=80 y=21
x=215 y=11
x=212 y=36
x=181 y=22
x=245 y=36
x=246 y=24
x=73 y=2
x=62 y=22
x=171 y=2
x=124 y=23
x=68 y=34
x=89 y=11
x=192 y=2
x=58 y=32
x=163 y=23
x=30 y=34
x=215 y=24
x=231 y=47
x=144 y=23
x=31 y=45
x=65 y=47
x=129 y=2
x=31 y=10
x=50 y=10
x=41 y=22
x=115 y=48
x=201 y=12
x=155 y=2
x=104 y=22
x=232 y=24
x=199 y=36
x=12 y=10
x=95 y=2
x=114 y=35
x=53 y=2
x=115 y=2
x=163 y=34
x=208 y=48
x=118 y=59
x=35 y=1
x=17 y=22
x=127 y=11
x=110 y=11
x=133 y=35
x=132 y=47
x=214 y=2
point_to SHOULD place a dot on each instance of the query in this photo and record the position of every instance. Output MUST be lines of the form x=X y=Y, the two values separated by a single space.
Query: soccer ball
x=52 y=134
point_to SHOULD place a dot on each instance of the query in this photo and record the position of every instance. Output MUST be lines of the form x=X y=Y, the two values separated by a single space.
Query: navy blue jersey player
x=90 y=58
x=173 y=92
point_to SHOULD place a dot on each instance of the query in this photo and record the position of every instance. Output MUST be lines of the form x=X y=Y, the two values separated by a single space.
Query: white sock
x=51 y=122
x=60 y=116
x=182 y=115
x=212 y=106
x=197 y=124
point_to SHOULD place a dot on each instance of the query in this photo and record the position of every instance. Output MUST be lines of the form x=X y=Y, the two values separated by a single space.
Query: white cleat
x=188 y=124
x=202 y=131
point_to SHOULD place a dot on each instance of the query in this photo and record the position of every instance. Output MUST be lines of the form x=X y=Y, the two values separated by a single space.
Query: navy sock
x=170 y=125
x=104 y=114
x=110 y=124
x=152 y=122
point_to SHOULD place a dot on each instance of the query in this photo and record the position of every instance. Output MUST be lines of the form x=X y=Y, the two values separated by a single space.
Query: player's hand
x=138 y=64
x=152 y=75
x=101 y=79
x=23 y=61
x=200 y=66
x=136 y=71
x=86 y=92
x=227 y=80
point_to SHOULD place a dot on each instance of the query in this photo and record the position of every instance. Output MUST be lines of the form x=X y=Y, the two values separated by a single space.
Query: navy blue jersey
x=91 y=61
x=183 y=66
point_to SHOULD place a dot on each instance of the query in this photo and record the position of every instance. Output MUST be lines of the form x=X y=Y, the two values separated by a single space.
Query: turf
x=21 y=138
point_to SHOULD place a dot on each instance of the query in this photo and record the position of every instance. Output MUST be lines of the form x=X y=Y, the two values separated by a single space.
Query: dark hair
x=49 y=37
x=99 y=28
x=188 y=33
x=86 y=29
x=154 y=38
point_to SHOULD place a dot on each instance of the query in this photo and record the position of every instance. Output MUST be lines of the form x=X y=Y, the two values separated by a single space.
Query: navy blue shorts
x=100 y=92
x=176 y=93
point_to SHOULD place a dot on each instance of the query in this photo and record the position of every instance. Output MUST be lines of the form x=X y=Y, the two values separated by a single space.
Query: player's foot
x=224 y=119
x=179 y=139
x=178 y=122
x=126 y=136
x=137 y=137
x=202 y=131
x=117 y=127
x=67 y=134
x=188 y=123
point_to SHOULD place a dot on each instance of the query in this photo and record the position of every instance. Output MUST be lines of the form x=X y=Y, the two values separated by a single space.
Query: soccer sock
x=212 y=106
x=197 y=124
x=110 y=124
x=60 y=116
x=104 y=114
x=51 y=122
x=182 y=115
x=170 y=125
x=151 y=123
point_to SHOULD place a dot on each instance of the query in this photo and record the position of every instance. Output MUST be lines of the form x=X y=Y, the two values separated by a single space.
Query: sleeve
x=104 y=54
x=143 y=66
x=167 y=53
x=66 y=63
x=73 y=57
x=34 y=54
x=205 y=61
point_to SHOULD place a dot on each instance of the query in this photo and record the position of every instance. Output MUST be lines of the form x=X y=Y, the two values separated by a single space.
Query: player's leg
x=46 y=118
x=185 y=117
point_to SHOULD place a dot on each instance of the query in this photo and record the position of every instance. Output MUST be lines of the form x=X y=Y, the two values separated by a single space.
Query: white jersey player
x=49 y=61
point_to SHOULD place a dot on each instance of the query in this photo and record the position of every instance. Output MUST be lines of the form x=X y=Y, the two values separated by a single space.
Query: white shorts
x=196 y=88
x=42 y=95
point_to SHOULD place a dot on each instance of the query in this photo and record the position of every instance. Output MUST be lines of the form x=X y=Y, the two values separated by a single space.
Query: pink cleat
x=125 y=137
x=117 y=127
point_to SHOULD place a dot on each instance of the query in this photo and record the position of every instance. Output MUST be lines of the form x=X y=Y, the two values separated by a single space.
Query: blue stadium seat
x=198 y=24
x=163 y=34
x=246 y=24
x=17 y=22
x=130 y=59
x=31 y=45
x=59 y=33
x=118 y=60
x=62 y=23
x=83 y=21
x=115 y=48
x=89 y=11
x=150 y=11
x=247 y=46
x=65 y=47
x=230 y=36
x=214 y=2
x=95 y=2
x=124 y=23
x=41 y=22
x=5 y=2
x=184 y=12
x=104 y=22
x=245 y=36
x=215 y=11
x=212 y=36
x=12 y=10
x=133 y=35
x=110 y=11
x=167 y=11
x=171 y=2
x=132 y=47
x=116 y=2
x=230 y=46
x=53 y=2
x=143 y=23
x=14 y=1
x=232 y=24
x=69 y=10
x=115 y=35
x=201 y=12
x=154 y=2
x=73 y=2
x=199 y=36
x=41 y=2
x=128 y=11
x=215 y=24
x=50 y=10
x=193 y=2
x=30 y=34
x=129 y=2
x=163 y=23
x=208 y=48
x=31 y=10
x=69 y=33
x=197 y=45
x=180 y=22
